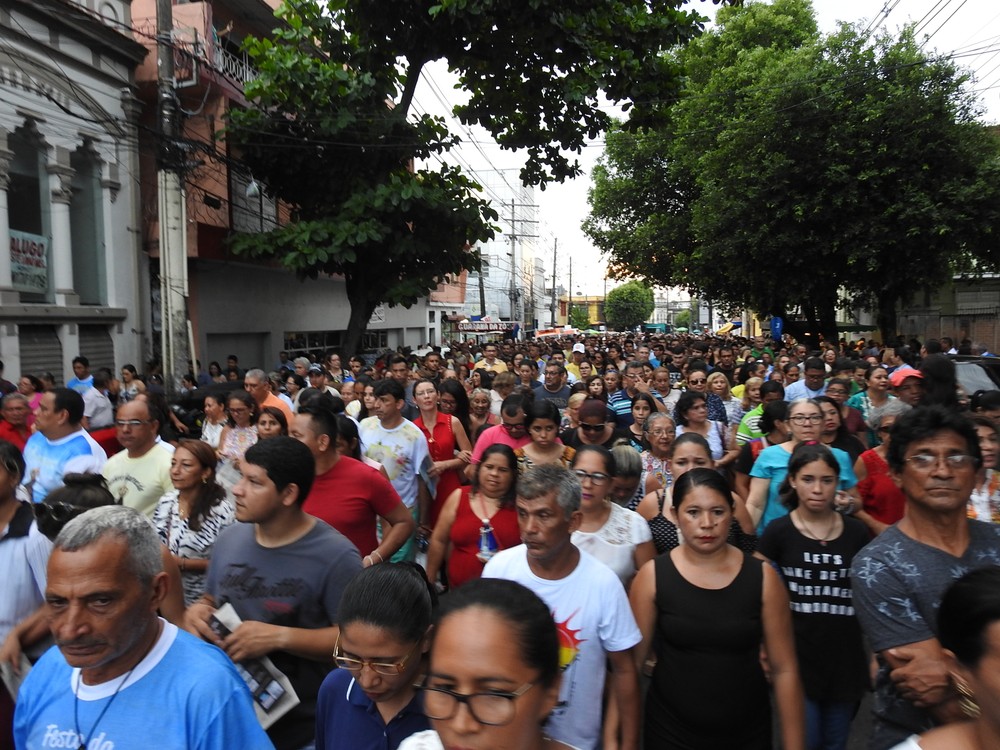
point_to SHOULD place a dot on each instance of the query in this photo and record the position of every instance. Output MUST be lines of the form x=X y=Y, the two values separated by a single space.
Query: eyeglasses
x=697 y=382
x=58 y=512
x=513 y=427
x=597 y=477
x=661 y=433
x=591 y=427
x=806 y=418
x=131 y=422
x=494 y=708
x=356 y=665
x=928 y=461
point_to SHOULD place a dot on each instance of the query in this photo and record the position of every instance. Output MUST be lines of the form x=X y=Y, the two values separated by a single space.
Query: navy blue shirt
x=347 y=720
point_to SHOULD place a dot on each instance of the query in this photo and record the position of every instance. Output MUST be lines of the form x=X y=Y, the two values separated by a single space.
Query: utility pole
x=513 y=252
x=174 y=334
x=569 y=297
x=555 y=250
x=482 y=293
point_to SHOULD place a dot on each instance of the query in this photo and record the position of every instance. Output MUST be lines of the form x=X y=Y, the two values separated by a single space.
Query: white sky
x=970 y=29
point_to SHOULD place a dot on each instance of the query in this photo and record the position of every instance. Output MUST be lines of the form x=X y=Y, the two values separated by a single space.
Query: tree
x=332 y=134
x=628 y=306
x=682 y=319
x=799 y=173
x=579 y=317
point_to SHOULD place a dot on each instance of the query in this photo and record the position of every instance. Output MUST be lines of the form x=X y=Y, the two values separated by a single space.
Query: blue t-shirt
x=47 y=461
x=346 y=719
x=772 y=464
x=184 y=695
x=81 y=386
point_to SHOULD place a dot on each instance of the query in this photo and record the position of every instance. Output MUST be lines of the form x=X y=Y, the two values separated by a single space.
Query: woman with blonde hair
x=719 y=385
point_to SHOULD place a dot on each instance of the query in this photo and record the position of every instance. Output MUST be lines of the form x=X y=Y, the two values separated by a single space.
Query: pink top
x=492 y=436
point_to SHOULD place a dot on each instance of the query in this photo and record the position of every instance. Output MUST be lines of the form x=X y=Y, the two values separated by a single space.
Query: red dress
x=463 y=565
x=881 y=498
x=442 y=448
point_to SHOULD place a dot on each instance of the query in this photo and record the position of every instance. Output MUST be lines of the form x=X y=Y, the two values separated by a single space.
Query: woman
x=571 y=418
x=448 y=443
x=791 y=373
x=773 y=428
x=986 y=403
x=384 y=619
x=834 y=433
x=477 y=521
x=968 y=621
x=596 y=388
x=215 y=372
x=612 y=381
x=704 y=608
x=503 y=386
x=131 y=385
x=541 y=419
x=365 y=406
x=984 y=504
x=690 y=451
x=294 y=385
x=241 y=432
x=630 y=483
x=599 y=362
x=271 y=422
x=643 y=405
x=190 y=516
x=719 y=385
x=475 y=380
x=215 y=419
x=480 y=415
x=349 y=443
x=615 y=358
x=596 y=427
x=839 y=390
x=816 y=543
x=882 y=503
x=334 y=371
x=660 y=433
x=496 y=649
x=751 y=396
x=875 y=395
x=586 y=370
x=805 y=420
x=691 y=415
x=616 y=536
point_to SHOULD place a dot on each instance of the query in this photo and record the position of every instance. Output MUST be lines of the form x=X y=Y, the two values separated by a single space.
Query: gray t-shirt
x=298 y=585
x=898 y=584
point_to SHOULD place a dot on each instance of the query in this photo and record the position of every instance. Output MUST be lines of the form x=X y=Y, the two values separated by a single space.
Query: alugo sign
x=29 y=261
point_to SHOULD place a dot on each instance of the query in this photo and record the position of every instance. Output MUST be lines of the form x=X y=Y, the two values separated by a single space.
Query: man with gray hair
x=587 y=601
x=256 y=383
x=14 y=425
x=120 y=677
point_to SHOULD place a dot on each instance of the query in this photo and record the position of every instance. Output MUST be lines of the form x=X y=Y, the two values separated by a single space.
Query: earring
x=966 y=700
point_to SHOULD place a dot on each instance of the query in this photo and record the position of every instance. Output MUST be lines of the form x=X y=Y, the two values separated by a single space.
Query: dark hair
x=772 y=412
x=790 y=365
x=985 y=401
x=690 y=437
x=68 y=400
x=529 y=619
x=968 y=608
x=390 y=387
x=606 y=456
x=297 y=379
x=247 y=400
x=11 y=459
x=508 y=453
x=81 y=360
x=842 y=433
x=685 y=402
x=210 y=493
x=842 y=382
x=700 y=477
x=35 y=383
x=924 y=423
x=804 y=454
x=455 y=389
x=603 y=396
x=131 y=369
x=940 y=381
x=541 y=409
x=517 y=401
x=394 y=597
x=78 y=494
x=218 y=398
x=322 y=415
x=278 y=415
x=647 y=398
x=286 y=461
x=772 y=386
x=347 y=429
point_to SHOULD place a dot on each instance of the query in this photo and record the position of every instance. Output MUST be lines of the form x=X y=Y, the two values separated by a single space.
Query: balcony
x=233 y=65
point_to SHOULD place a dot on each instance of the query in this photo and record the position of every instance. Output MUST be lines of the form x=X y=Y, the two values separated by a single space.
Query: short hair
x=772 y=386
x=69 y=401
x=394 y=597
x=968 y=608
x=542 y=480
x=301 y=362
x=685 y=402
x=891 y=408
x=102 y=377
x=257 y=374
x=15 y=396
x=120 y=523
x=503 y=379
x=499 y=449
x=933 y=346
x=81 y=360
x=389 y=387
x=984 y=400
x=770 y=414
x=926 y=422
x=322 y=415
x=516 y=402
x=657 y=416
x=11 y=459
x=610 y=467
x=814 y=363
x=286 y=461
x=700 y=477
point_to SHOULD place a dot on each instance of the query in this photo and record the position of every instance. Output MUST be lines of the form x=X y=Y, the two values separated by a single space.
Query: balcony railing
x=235 y=66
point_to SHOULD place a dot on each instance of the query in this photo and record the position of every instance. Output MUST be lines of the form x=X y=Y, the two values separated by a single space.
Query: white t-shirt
x=402 y=450
x=593 y=617
x=615 y=542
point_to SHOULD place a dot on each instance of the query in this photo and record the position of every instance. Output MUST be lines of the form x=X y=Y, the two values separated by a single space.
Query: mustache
x=80 y=643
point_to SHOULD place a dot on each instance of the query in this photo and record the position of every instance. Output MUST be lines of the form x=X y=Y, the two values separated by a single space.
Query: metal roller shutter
x=41 y=351
x=96 y=346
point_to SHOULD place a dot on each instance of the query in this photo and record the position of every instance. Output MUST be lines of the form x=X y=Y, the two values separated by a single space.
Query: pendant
x=822 y=542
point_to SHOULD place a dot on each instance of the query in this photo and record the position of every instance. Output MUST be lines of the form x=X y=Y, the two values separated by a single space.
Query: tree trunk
x=885 y=318
x=827 y=312
x=361 y=312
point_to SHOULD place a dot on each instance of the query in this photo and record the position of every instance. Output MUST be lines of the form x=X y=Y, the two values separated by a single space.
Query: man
x=284 y=572
x=749 y=427
x=656 y=358
x=554 y=387
x=812 y=384
x=255 y=383
x=233 y=363
x=97 y=410
x=511 y=431
x=620 y=402
x=490 y=361
x=759 y=347
x=587 y=602
x=318 y=379
x=948 y=345
x=14 y=425
x=400 y=446
x=900 y=577
x=82 y=378
x=139 y=475
x=60 y=445
x=727 y=364
x=908 y=385
x=399 y=370
x=141 y=682
x=559 y=357
x=348 y=494
x=578 y=354
x=432 y=367
x=283 y=362
x=678 y=358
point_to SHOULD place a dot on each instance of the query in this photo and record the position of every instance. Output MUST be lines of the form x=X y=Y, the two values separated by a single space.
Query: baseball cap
x=899 y=376
x=579 y=348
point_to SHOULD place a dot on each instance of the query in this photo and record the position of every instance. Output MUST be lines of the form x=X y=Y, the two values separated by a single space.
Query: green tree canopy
x=579 y=317
x=628 y=305
x=796 y=173
x=332 y=134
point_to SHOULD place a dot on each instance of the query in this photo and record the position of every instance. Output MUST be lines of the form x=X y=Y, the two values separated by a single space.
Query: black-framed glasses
x=379 y=667
x=596 y=477
x=806 y=418
x=592 y=427
x=58 y=512
x=492 y=708
x=131 y=422
x=927 y=461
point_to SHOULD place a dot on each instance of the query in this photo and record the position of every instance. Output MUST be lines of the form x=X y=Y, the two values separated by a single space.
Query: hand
x=196 y=622
x=465 y=456
x=923 y=679
x=252 y=639
x=642 y=386
x=437 y=468
x=10 y=652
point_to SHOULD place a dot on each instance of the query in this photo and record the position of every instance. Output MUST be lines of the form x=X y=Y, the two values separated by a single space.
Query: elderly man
x=60 y=445
x=900 y=577
x=139 y=475
x=120 y=677
x=586 y=599
x=14 y=425
x=256 y=383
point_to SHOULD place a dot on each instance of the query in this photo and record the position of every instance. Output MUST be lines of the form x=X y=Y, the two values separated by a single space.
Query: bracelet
x=369 y=559
x=181 y=564
x=380 y=558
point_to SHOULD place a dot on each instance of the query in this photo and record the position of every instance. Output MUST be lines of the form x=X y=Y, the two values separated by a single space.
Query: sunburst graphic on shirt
x=569 y=644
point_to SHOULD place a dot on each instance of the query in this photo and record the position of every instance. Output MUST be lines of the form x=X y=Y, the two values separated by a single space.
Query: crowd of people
x=612 y=542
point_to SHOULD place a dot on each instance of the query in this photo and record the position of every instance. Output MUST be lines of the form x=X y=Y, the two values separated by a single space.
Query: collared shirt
x=24 y=554
x=347 y=719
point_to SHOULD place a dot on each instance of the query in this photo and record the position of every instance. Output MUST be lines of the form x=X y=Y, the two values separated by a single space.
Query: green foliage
x=683 y=319
x=579 y=317
x=628 y=305
x=797 y=173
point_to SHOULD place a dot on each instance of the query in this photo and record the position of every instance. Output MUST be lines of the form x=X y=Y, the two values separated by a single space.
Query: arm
x=922 y=673
x=742 y=516
x=402 y=526
x=729 y=443
x=642 y=598
x=779 y=643
x=29 y=631
x=625 y=684
x=462 y=441
x=652 y=485
x=757 y=499
x=442 y=531
x=644 y=552
x=741 y=484
x=172 y=606
x=423 y=507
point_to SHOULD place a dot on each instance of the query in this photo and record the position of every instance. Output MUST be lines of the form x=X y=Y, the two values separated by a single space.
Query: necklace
x=76 y=706
x=812 y=534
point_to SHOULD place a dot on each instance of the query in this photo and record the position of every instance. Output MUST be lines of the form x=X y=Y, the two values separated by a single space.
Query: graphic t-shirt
x=47 y=461
x=402 y=450
x=593 y=617
x=140 y=482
